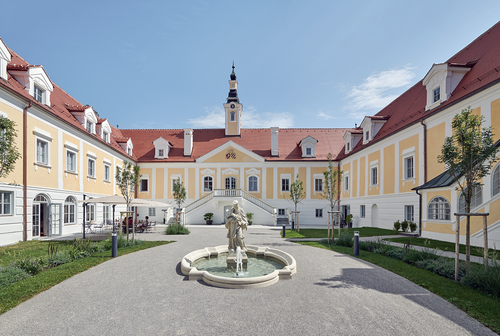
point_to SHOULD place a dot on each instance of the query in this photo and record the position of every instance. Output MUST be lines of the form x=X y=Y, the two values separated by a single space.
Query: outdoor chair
x=89 y=228
x=99 y=226
x=152 y=225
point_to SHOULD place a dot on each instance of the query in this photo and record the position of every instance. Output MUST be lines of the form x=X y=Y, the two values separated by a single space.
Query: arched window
x=476 y=200
x=252 y=183
x=207 y=183
x=439 y=208
x=230 y=183
x=40 y=199
x=70 y=210
x=232 y=116
x=495 y=179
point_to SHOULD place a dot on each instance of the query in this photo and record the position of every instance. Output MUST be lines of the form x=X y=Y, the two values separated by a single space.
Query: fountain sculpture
x=266 y=267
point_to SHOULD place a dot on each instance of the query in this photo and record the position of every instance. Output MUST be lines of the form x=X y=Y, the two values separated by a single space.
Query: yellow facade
x=310 y=184
x=160 y=183
x=435 y=140
x=17 y=175
x=227 y=157
x=495 y=119
x=354 y=178
x=373 y=189
x=146 y=194
x=174 y=173
x=284 y=171
x=362 y=170
x=257 y=193
x=203 y=173
x=43 y=176
x=270 y=183
x=389 y=160
x=346 y=170
x=408 y=143
x=191 y=187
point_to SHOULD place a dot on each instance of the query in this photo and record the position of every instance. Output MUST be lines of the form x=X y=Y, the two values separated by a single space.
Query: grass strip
x=18 y=292
x=440 y=245
x=483 y=307
x=322 y=233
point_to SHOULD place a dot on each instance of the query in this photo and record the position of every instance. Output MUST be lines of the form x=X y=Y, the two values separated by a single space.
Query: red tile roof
x=482 y=55
x=61 y=102
x=256 y=140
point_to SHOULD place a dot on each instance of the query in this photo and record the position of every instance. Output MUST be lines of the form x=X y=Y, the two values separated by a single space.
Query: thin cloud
x=324 y=116
x=214 y=118
x=378 y=90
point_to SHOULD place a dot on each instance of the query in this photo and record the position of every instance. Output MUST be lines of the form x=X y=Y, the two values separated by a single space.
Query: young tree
x=297 y=194
x=179 y=196
x=331 y=189
x=469 y=154
x=126 y=180
x=8 y=148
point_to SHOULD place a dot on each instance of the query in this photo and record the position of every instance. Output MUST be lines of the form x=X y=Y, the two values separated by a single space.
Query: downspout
x=25 y=172
x=425 y=178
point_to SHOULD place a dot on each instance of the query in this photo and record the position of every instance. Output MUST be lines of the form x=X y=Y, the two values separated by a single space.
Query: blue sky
x=166 y=64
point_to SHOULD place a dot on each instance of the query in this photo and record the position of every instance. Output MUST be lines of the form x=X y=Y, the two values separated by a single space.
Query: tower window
x=232 y=116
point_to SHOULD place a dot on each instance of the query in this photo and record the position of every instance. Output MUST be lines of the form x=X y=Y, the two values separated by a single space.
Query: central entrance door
x=54 y=222
x=227 y=208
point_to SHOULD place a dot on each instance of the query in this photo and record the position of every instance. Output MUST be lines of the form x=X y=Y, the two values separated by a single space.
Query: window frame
x=285 y=184
x=144 y=182
x=475 y=202
x=91 y=167
x=362 y=211
x=346 y=182
x=255 y=182
x=409 y=213
x=73 y=169
x=107 y=172
x=208 y=183
x=495 y=181
x=152 y=212
x=70 y=207
x=442 y=209
x=409 y=168
x=232 y=116
x=90 y=213
x=316 y=184
x=436 y=94
x=10 y=204
x=38 y=94
x=46 y=155
x=319 y=213
x=282 y=212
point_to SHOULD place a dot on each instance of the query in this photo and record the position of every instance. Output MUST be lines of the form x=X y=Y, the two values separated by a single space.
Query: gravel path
x=144 y=293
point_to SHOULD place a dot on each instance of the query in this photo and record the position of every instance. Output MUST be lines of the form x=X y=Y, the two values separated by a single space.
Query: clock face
x=232 y=105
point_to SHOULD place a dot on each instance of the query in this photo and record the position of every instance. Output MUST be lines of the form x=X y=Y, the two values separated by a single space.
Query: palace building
x=389 y=163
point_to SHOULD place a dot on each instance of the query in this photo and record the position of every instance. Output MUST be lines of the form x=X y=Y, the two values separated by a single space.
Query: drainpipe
x=25 y=172
x=84 y=214
x=419 y=213
x=425 y=150
x=425 y=178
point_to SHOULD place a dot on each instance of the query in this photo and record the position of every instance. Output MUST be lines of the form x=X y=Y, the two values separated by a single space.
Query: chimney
x=274 y=141
x=188 y=141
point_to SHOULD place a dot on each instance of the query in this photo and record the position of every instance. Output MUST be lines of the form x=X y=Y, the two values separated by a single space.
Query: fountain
x=236 y=265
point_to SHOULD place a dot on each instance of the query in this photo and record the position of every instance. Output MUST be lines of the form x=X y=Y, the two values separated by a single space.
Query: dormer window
x=38 y=94
x=162 y=148
x=105 y=136
x=308 y=146
x=348 y=146
x=436 y=94
x=89 y=126
x=367 y=135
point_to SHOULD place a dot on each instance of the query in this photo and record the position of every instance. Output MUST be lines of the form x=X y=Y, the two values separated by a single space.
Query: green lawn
x=17 y=292
x=483 y=307
x=322 y=233
x=27 y=249
x=440 y=245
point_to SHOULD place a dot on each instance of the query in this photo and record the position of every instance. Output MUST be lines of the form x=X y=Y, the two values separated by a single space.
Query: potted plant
x=348 y=221
x=208 y=218
x=250 y=217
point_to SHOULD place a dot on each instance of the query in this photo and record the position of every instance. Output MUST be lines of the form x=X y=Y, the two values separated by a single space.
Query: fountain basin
x=227 y=282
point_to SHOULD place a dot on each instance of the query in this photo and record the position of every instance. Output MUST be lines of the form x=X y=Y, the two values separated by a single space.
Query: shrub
x=176 y=229
x=31 y=265
x=404 y=226
x=371 y=246
x=11 y=274
x=486 y=281
x=345 y=239
x=397 y=226
x=413 y=226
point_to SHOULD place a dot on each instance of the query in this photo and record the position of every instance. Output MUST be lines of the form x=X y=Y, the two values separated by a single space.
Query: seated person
x=144 y=225
x=130 y=223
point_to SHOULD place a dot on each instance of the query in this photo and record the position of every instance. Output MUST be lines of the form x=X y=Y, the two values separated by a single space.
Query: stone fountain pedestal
x=231 y=260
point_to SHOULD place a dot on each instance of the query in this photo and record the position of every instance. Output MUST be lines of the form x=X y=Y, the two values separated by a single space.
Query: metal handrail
x=199 y=202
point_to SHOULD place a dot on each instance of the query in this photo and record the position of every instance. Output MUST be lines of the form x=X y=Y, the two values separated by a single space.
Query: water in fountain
x=239 y=262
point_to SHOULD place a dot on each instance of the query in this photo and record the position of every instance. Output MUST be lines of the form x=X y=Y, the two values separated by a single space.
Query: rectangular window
x=107 y=173
x=252 y=183
x=362 y=210
x=69 y=213
x=70 y=161
x=38 y=94
x=105 y=136
x=5 y=203
x=374 y=175
x=281 y=212
x=91 y=168
x=175 y=181
x=367 y=135
x=348 y=146
x=436 y=94
x=346 y=183
x=152 y=212
x=89 y=127
x=143 y=185
x=308 y=151
x=285 y=184
x=42 y=151
x=409 y=211
x=319 y=213
x=318 y=184
x=160 y=152
x=90 y=213
x=409 y=167
x=105 y=214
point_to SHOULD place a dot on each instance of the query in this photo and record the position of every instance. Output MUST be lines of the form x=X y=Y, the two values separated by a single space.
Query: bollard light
x=114 y=245
x=284 y=230
x=356 y=243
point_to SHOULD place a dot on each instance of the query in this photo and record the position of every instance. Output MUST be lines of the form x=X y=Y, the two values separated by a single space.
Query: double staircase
x=231 y=193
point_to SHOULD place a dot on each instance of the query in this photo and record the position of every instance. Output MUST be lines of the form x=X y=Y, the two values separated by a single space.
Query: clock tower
x=233 y=108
